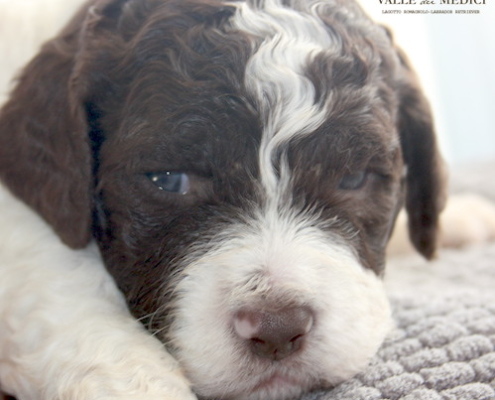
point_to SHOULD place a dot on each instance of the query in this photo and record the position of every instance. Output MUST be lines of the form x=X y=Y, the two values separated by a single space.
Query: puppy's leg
x=65 y=331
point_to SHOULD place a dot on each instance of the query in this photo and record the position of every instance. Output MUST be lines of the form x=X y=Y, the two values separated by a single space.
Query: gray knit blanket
x=443 y=347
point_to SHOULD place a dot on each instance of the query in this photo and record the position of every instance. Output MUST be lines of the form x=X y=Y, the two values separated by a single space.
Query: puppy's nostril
x=297 y=337
x=274 y=335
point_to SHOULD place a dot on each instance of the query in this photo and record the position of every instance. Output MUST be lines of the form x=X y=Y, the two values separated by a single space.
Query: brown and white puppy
x=240 y=165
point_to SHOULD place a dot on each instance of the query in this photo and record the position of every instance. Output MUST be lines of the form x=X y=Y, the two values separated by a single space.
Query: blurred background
x=454 y=55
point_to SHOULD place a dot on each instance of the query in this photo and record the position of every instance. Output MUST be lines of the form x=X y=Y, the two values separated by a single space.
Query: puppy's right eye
x=172 y=182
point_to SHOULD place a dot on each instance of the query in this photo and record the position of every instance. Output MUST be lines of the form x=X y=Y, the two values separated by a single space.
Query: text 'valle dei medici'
x=420 y=2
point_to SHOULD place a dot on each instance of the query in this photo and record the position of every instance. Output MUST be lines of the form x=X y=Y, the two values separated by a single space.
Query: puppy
x=240 y=165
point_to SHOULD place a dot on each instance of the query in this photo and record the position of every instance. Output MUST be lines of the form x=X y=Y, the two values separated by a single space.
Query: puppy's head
x=241 y=165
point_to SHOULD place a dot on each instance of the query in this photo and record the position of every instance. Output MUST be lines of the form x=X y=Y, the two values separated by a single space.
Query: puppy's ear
x=426 y=176
x=45 y=154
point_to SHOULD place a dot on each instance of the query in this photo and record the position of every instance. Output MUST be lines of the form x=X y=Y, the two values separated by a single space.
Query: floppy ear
x=45 y=153
x=426 y=177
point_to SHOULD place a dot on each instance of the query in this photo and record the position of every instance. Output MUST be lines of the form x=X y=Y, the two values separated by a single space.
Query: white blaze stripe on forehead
x=285 y=41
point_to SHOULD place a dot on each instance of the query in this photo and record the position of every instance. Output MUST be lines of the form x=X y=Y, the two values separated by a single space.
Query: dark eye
x=173 y=182
x=353 y=181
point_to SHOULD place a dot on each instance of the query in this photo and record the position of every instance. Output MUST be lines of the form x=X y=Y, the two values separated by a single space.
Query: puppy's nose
x=274 y=335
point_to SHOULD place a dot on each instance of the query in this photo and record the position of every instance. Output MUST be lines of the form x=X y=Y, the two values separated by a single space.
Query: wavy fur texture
x=240 y=165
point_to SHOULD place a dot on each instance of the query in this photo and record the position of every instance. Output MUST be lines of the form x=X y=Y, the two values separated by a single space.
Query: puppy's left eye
x=353 y=181
x=173 y=182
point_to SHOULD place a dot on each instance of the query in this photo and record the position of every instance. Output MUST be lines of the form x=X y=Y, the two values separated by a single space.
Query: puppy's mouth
x=277 y=382
x=277 y=385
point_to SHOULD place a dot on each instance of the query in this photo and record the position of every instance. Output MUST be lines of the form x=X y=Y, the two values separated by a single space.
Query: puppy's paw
x=468 y=219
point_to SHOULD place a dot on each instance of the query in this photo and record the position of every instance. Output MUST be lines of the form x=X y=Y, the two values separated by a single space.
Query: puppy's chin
x=279 y=264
